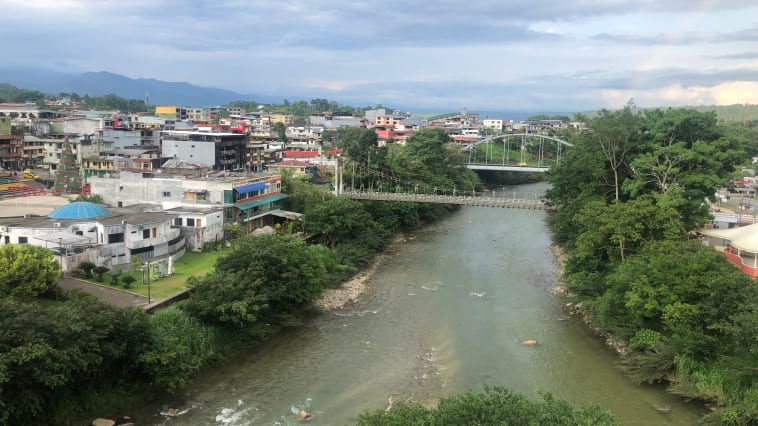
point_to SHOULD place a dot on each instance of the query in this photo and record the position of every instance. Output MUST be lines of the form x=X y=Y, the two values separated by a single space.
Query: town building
x=217 y=151
x=85 y=232
x=250 y=200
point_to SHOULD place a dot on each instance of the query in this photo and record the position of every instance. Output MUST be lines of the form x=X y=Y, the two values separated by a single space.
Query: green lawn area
x=192 y=263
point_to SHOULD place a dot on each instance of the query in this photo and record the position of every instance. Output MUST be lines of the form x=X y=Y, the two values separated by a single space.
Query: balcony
x=134 y=243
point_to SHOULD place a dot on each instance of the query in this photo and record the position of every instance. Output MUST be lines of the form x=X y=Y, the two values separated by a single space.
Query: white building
x=88 y=232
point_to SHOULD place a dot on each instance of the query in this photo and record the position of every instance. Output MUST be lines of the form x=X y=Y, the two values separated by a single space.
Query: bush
x=128 y=280
x=496 y=406
x=181 y=346
x=86 y=269
x=99 y=271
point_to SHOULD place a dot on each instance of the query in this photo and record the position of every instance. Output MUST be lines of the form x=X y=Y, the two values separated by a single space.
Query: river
x=445 y=314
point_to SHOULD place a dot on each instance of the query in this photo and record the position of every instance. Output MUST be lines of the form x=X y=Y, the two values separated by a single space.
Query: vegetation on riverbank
x=494 y=406
x=631 y=193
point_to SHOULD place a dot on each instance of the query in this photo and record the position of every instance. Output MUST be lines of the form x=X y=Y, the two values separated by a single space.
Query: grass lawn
x=192 y=263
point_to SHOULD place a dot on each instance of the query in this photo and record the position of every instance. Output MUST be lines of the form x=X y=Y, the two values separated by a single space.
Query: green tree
x=340 y=220
x=357 y=143
x=54 y=355
x=180 y=346
x=27 y=271
x=261 y=281
x=281 y=131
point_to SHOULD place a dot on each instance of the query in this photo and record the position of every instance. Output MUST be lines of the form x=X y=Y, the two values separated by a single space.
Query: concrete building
x=123 y=138
x=81 y=231
x=296 y=167
x=217 y=151
x=493 y=124
x=11 y=147
x=250 y=200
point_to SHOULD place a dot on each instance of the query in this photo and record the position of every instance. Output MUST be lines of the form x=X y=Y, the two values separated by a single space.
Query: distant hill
x=737 y=113
x=741 y=113
x=104 y=83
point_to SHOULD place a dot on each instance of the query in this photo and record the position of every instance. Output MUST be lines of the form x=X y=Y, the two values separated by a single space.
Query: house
x=86 y=232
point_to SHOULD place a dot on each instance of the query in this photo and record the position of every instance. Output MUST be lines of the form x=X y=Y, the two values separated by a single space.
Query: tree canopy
x=27 y=271
x=630 y=194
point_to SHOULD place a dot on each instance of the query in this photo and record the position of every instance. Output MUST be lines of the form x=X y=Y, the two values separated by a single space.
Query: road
x=106 y=294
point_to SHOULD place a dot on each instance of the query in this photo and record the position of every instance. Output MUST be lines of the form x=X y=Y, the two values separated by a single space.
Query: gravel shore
x=351 y=290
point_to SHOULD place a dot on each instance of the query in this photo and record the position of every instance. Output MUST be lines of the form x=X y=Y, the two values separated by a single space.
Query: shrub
x=127 y=280
x=99 y=271
x=86 y=269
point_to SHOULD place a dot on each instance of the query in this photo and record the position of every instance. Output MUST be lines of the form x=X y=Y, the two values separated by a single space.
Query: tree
x=357 y=143
x=180 y=347
x=53 y=354
x=281 y=131
x=428 y=146
x=341 y=220
x=262 y=281
x=27 y=271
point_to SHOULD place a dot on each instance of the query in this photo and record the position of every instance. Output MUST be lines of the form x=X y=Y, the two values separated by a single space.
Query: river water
x=445 y=314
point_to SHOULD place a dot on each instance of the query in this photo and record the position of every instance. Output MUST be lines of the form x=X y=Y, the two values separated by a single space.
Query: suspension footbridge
x=470 y=199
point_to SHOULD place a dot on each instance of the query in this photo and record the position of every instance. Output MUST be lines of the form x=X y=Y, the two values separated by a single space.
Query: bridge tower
x=338 y=169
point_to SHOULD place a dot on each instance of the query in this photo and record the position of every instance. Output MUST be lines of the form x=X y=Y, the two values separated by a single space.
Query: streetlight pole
x=60 y=252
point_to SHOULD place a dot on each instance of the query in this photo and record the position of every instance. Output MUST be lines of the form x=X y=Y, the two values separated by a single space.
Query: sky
x=519 y=55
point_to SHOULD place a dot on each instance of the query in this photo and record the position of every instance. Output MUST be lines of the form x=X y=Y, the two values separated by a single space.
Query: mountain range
x=155 y=92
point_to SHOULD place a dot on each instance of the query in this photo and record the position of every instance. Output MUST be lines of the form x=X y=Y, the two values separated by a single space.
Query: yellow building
x=167 y=112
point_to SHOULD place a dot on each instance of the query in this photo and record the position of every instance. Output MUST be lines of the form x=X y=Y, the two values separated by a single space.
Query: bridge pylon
x=339 y=168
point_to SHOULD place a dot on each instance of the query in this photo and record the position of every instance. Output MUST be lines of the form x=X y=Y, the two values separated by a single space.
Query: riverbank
x=351 y=290
x=577 y=309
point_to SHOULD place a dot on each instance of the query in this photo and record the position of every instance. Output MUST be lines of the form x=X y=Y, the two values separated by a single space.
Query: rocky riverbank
x=577 y=309
x=351 y=290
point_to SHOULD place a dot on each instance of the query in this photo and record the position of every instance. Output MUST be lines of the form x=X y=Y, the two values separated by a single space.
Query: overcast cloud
x=535 y=55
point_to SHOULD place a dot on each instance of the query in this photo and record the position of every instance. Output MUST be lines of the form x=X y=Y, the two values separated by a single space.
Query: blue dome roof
x=79 y=210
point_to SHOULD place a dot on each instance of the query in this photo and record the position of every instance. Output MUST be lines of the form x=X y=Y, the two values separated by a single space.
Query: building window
x=146 y=233
x=178 y=221
x=166 y=194
x=190 y=222
x=116 y=238
x=23 y=240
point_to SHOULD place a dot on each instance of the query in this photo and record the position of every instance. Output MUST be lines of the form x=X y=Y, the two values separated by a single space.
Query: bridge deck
x=467 y=200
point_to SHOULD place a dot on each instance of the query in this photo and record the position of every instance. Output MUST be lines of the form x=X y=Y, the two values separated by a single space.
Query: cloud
x=523 y=53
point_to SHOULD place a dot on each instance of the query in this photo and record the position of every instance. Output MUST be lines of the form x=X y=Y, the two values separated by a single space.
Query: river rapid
x=446 y=313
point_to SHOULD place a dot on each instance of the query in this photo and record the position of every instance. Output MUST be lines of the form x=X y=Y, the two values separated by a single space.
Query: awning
x=744 y=238
x=63 y=238
x=250 y=187
x=261 y=201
